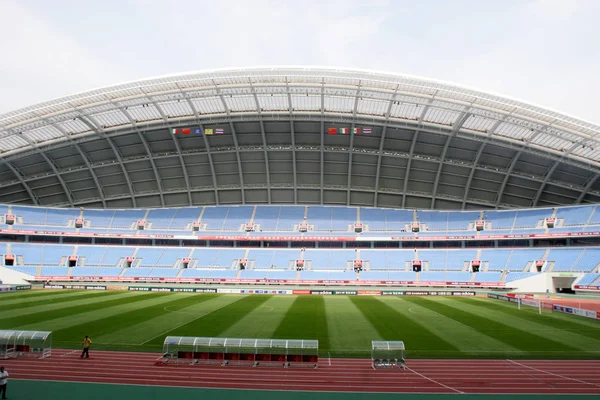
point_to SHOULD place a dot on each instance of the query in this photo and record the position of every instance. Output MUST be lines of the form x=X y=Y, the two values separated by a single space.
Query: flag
x=356 y=131
x=174 y=131
x=343 y=130
x=197 y=131
x=331 y=131
x=186 y=131
x=208 y=131
x=219 y=131
x=367 y=131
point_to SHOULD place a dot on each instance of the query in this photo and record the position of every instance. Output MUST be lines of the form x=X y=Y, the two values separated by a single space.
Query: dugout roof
x=432 y=144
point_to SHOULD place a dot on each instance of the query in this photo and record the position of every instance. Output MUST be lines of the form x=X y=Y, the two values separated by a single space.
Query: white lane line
x=553 y=374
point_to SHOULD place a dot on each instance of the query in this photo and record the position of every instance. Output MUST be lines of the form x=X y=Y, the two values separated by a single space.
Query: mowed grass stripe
x=393 y=325
x=586 y=324
x=350 y=332
x=69 y=312
x=123 y=305
x=49 y=300
x=588 y=336
x=41 y=311
x=11 y=297
x=504 y=328
x=262 y=321
x=464 y=337
x=151 y=333
x=102 y=326
x=306 y=320
x=50 y=306
x=217 y=321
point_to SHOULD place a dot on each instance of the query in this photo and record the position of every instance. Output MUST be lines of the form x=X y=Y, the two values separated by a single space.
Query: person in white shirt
x=3 y=382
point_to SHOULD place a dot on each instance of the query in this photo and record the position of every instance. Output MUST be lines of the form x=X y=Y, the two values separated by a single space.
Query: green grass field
x=431 y=327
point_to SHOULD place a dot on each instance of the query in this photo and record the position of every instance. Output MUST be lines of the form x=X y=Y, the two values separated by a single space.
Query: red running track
x=338 y=375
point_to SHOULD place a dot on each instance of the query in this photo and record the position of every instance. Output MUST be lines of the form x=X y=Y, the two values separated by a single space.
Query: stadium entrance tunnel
x=563 y=284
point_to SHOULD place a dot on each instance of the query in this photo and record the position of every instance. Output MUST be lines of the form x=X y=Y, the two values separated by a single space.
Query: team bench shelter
x=31 y=344
x=248 y=352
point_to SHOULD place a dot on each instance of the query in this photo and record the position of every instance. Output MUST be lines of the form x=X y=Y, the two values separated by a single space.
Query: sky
x=545 y=52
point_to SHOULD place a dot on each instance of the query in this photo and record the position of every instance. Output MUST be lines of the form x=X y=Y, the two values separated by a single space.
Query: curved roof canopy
x=433 y=144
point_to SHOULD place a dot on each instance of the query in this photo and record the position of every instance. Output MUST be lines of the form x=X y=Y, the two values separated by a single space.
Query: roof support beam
x=83 y=157
x=322 y=141
x=25 y=185
x=381 y=142
x=409 y=162
x=471 y=174
x=53 y=168
x=337 y=188
x=235 y=142
x=587 y=188
x=554 y=166
x=506 y=177
x=535 y=201
x=147 y=147
x=208 y=152
x=457 y=125
x=93 y=124
x=177 y=147
x=351 y=149
x=293 y=138
x=264 y=141
x=59 y=177
x=412 y=150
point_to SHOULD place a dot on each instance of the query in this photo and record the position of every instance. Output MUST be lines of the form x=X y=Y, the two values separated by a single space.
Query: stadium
x=219 y=229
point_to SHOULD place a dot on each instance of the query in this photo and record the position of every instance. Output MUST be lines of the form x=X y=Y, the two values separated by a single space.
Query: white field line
x=69 y=353
x=553 y=374
x=434 y=381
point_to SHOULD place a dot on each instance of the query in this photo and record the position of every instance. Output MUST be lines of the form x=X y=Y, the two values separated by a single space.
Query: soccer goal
x=32 y=344
x=387 y=354
x=233 y=351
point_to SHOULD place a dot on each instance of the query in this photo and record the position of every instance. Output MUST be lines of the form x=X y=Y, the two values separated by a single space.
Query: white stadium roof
x=416 y=120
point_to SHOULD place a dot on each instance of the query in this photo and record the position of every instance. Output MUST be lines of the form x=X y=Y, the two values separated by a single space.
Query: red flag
x=331 y=131
x=186 y=131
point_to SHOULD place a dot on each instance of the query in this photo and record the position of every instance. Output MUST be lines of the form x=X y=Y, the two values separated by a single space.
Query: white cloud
x=541 y=51
x=40 y=63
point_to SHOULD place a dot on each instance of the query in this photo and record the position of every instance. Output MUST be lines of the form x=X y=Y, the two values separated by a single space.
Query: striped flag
x=345 y=131
x=174 y=131
x=356 y=131
x=219 y=131
x=197 y=131
x=331 y=131
x=208 y=131
x=367 y=131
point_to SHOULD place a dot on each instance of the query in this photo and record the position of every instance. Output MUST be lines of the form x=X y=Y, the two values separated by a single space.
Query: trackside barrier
x=554 y=307
x=137 y=280
x=417 y=237
x=12 y=288
x=231 y=351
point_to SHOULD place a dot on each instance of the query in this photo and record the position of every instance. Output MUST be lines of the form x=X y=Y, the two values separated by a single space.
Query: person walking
x=86 y=347
x=3 y=382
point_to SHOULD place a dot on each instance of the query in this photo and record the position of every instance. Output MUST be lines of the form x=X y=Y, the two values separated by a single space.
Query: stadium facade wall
x=10 y=277
x=538 y=283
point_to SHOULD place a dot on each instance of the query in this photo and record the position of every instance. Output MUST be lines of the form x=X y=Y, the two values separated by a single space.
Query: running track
x=342 y=375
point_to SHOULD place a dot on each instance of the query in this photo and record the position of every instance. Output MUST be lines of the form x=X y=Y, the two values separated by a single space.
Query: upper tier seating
x=321 y=220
